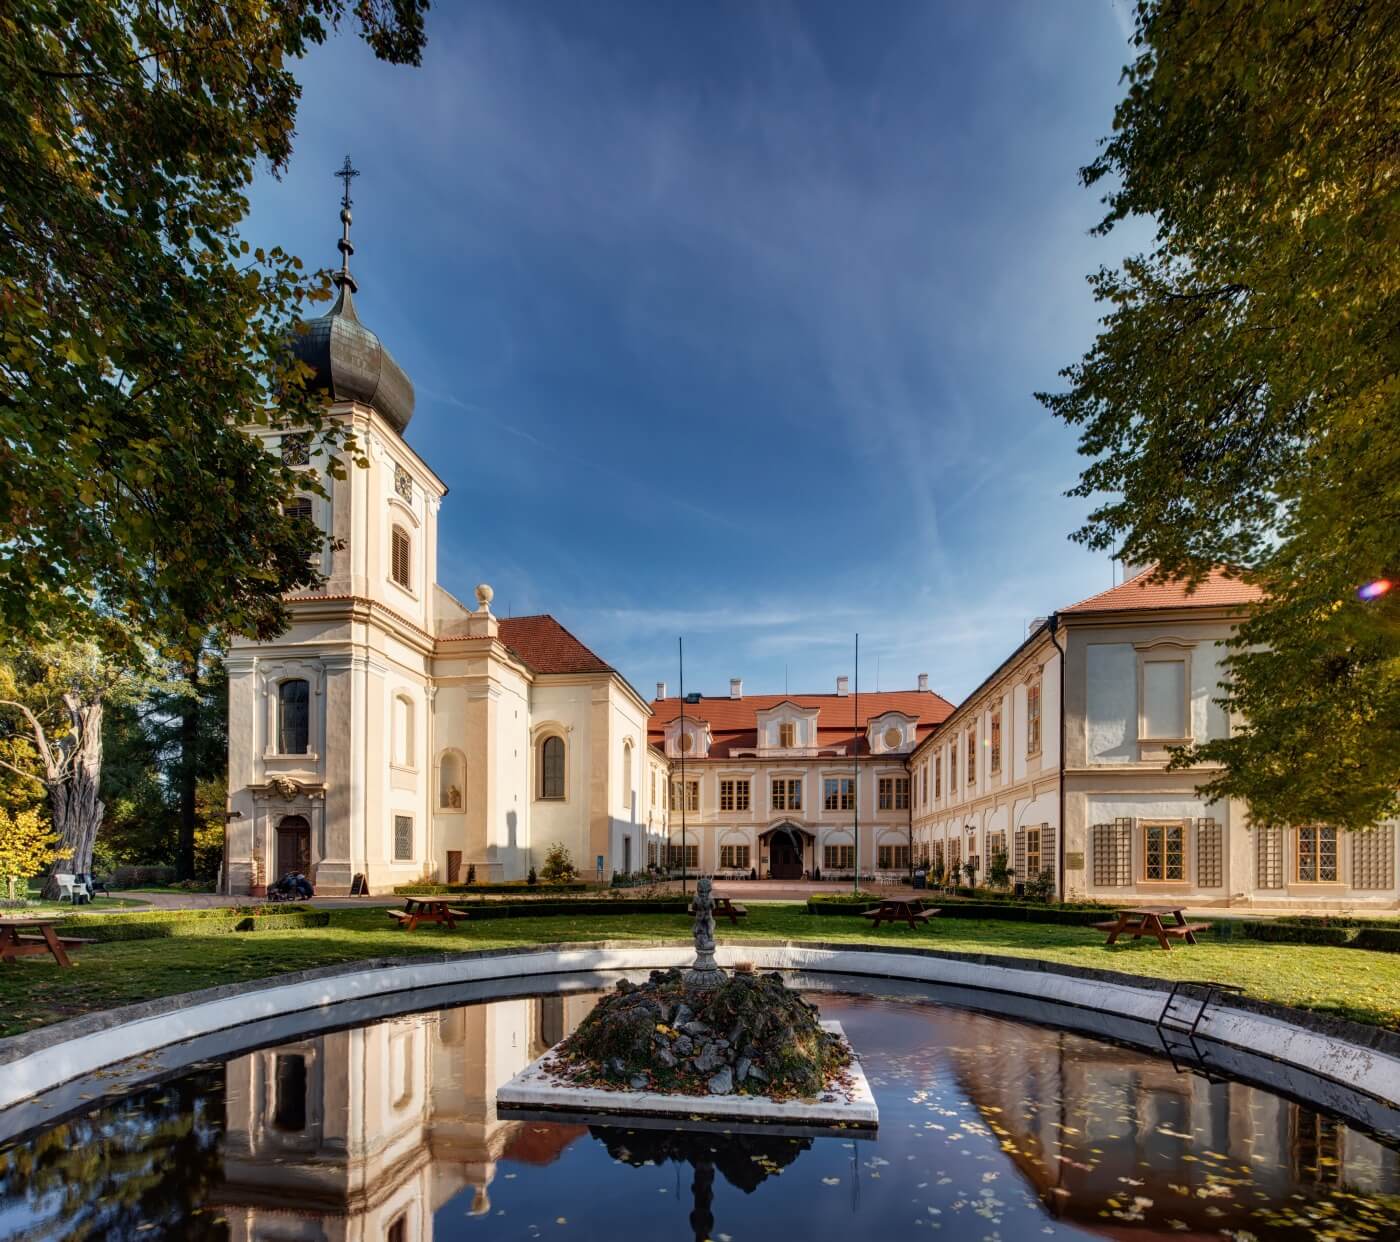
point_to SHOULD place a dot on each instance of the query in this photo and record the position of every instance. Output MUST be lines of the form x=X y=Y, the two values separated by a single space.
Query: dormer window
x=893 y=737
x=787 y=735
x=685 y=743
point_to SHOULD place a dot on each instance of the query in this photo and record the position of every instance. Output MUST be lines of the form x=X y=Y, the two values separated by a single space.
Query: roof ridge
x=1089 y=599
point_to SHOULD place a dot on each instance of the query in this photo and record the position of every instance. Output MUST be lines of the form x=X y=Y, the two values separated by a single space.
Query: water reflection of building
x=1087 y=1122
x=366 y=1133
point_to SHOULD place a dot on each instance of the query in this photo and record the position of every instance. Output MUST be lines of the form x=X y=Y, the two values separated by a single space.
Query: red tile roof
x=734 y=722
x=1217 y=590
x=547 y=647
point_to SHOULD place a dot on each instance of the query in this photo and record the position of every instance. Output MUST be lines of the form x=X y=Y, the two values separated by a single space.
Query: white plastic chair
x=66 y=887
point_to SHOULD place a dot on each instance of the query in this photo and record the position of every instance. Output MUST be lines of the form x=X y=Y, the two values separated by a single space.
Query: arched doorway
x=293 y=845
x=785 y=849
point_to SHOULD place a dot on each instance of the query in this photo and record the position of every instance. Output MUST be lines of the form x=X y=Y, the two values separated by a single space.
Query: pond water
x=989 y=1128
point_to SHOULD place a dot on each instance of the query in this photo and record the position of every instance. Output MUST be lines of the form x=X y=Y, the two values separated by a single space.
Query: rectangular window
x=996 y=846
x=936 y=858
x=954 y=857
x=403 y=838
x=653 y=853
x=894 y=793
x=838 y=793
x=692 y=789
x=733 y=795
x=1034 y=865
x=787 y=794
x=996 y=742
x=787 y=735
x=1317 y=856
x=937 y=776
x=1033 y=719
x=687 y=856
x=953 y=767
x=893 y=857
x=971 y=757
x=838 y=858
x=1164 y=698
x=400 y=566
x=734 y=857
x=1164 y=853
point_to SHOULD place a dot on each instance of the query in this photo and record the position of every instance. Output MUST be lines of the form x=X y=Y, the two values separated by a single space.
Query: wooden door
x=293 y=846
x=784 y=857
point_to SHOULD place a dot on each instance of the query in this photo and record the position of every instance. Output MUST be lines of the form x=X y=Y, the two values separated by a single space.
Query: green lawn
x=1353 y=983
x=45 y=909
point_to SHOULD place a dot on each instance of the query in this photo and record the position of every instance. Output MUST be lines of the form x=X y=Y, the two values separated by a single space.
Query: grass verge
x=1345 y=982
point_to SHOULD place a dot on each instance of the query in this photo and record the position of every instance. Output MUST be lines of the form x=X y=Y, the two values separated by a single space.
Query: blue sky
x=725 y=318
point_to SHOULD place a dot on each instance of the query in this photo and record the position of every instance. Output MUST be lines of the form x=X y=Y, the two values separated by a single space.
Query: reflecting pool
x=988 y=1129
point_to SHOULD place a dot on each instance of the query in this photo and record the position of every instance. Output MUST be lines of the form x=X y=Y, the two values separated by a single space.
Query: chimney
x=660 y=689
x=923 y=681
x=736 y=688
x=1035 y=624
x=843 y=684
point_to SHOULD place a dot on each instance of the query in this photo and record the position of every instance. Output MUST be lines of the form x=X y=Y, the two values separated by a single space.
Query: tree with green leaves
x=138 y=331
x=1241 y=404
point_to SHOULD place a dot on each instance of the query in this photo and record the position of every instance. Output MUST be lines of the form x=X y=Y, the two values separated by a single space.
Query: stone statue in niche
x=453 y=801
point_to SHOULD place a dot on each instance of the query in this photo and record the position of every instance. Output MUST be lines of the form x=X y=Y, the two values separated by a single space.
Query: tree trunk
x=189 y=774
x=74 y=791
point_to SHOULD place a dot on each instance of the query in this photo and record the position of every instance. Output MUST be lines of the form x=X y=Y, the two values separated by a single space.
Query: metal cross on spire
x=346 y=172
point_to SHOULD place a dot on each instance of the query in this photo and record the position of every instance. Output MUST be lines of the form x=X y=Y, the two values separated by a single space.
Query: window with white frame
x=838 y=793
x=894 y=793
x=692 y=800
x=893 y=858
x=294 y=717
x=787 y=735
x=551 y=768
x=1317 y=855
x=403 y=838
x=787 y=793
x=687 y=856
x=838 y=857
x=733 y=794
x=734 y=857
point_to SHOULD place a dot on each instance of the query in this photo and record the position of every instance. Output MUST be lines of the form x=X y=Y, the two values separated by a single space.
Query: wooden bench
x=16 y=940
x=400 y=916
x=895 y=909
x=1162 y=924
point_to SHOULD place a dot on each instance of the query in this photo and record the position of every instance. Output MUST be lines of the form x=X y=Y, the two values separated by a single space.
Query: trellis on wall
x=1373 y=858
x=1113 y=853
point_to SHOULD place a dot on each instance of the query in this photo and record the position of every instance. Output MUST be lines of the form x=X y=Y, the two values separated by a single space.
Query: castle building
x=392 y=733
x=781 y=786
x=1058 y=764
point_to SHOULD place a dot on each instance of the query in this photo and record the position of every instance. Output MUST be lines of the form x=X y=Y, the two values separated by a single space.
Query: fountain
x=702 y=1043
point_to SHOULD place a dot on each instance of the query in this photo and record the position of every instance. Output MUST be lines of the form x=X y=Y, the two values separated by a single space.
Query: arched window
x=294 y=717
x=552 y=767
x=627 y=773
x=452 y=781
x=298 y=507
x=401 y=557
x=403 y=731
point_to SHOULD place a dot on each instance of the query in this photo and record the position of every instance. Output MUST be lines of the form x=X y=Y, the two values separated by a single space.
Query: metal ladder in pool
x=1177 y=1026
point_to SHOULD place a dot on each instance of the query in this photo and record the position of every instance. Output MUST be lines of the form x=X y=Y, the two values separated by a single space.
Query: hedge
x=1351 y=933
x=1279 y=932
x=156 y=925
x=1064 y=915
x=545 y=909
x=1382 y=939
x=515 y=888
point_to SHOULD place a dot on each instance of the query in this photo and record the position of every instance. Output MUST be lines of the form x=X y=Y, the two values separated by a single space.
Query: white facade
x=392 y=735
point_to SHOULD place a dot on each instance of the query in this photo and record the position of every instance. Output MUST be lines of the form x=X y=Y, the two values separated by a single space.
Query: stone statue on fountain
x=703 y=973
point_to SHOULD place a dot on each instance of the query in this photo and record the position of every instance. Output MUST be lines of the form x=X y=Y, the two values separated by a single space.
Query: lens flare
x=1374 y=590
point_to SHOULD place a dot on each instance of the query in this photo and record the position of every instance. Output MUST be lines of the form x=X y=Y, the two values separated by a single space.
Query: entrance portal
x=293 y=846
x=784 y=857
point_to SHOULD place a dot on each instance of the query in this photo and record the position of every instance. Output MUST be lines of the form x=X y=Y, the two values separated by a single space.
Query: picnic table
x=893 y=909
x=1163 y=923
x=726 y=907
x=427 y=910
x=15 y=941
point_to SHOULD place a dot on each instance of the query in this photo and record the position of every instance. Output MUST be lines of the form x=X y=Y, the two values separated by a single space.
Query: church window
x=452 y=781
x=403 y=838
x=627 y=774
x=403 y=483
x=403 y=751
x=552 y=768
x=294 y=717
x=401 y=558
x=298 y=507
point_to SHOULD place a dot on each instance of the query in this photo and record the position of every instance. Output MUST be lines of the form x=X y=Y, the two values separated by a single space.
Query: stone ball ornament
x=484 y=596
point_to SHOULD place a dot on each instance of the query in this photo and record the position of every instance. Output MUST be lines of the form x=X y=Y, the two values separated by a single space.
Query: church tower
x=330 y=724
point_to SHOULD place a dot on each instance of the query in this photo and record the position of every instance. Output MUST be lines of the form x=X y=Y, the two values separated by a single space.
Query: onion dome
x=349 y=361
